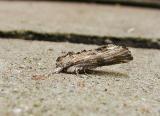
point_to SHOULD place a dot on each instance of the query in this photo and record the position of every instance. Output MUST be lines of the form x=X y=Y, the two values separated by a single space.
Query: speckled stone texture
x=25 y=90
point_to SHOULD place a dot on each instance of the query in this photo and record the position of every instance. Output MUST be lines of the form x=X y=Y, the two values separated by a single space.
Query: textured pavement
x=80 y=18
x=126 y=89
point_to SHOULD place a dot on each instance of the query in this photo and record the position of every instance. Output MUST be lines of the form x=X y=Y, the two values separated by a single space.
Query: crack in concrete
x=138 y=3
x=136 y=42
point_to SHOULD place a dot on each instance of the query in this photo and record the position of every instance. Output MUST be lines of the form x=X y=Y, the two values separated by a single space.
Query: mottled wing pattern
x=102 y=56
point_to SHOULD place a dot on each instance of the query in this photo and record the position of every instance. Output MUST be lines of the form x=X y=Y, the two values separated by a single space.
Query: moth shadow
x=108 y=73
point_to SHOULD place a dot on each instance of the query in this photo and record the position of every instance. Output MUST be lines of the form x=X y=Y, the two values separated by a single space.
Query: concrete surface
x=131 y=89
x=80 y=18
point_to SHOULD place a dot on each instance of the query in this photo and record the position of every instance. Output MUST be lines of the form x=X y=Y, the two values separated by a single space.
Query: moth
x=84 y=60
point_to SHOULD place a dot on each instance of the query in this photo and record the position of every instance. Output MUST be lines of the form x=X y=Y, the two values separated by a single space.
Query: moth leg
x=77 y=71
x=84 y=70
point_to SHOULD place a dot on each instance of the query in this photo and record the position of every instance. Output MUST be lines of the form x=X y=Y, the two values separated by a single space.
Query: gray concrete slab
x=126 y=89
x=80 y=18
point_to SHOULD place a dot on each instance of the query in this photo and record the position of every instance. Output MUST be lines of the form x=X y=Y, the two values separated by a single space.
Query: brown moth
x=90 y=59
